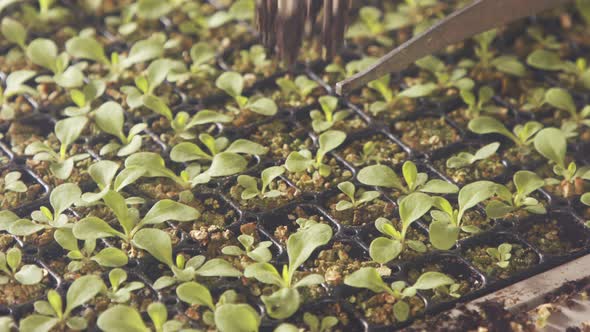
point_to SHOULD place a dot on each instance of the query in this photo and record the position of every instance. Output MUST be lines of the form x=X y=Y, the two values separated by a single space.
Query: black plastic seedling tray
x=454 y=262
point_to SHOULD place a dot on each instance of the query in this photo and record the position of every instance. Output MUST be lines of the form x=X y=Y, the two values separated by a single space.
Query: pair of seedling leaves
x=285 y=300
x=13 y=182
x=297 y=89
x=15 y=86
x=251 y=188
x=232 y=83
x=562 y=100
x=508 y=64
x=11 y=268
x=313 y=322
x=303 y=160
x=328 y=117
x=67 y=132
x=222 y=315
x=501 y=254
x=369 y=278
x=550 y=60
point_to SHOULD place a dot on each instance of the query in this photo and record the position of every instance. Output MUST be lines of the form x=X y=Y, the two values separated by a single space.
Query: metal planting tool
x=283 y=24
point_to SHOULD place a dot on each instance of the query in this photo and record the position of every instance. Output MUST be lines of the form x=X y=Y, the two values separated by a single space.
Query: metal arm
x=480 y=16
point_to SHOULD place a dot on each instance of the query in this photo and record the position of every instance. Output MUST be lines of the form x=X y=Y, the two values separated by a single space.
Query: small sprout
x=285 y=301
x=250 y=184
x=507 y=64
x=357 y=198
x=91 y=228
x=501 y=255
x=240 y=10
x=549 y=42
x=14 y=32
x=61 y=198
x=103 y=173
x=447 y=222
x=384 y=176
x=373 y=24
x=81 y=257
x=522 y=135
x=11 y=268
x=158 y=244
x=256 y=58
x=445 y=79
x=83 y=98
x=369 y=278
x=551 y=143
x=126 y=318
x=481 y=103
x=534 y=99
x=550 y=61
x=186 y=151
x=304 y=161
x=326 y=120
x=385 y=249
x=120 y=292
x=12 y=182
x=89 y=48
x=297 y=89
x=389 y=97
x=562 y=100
x=15 y=86
x=110 y=119
x=232 y=83
x=183 y=123
x=351 y=68
x=465 y=159
x=60 y=164
x=203 y=58
x=525 y=182
x=260 y=253
x=49 y=314
x=43 y=52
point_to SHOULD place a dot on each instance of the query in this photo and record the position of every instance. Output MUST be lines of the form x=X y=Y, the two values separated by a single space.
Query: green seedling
x=465 y=159
x=373 y=24
x=232 y=83
x=120 y=290
x=14 y=32
x=351 y=68
x=103 y=173
x=549 y=60
x=250 y=184
x=51 y=313
x=11 y=268
x=526 y=183
x=322 y=121
x=158 y=244
x=122 y=317
x=303 y=160
x=483 y=103
x=387 y=248
x=12 y=182
x=81 y=257
x=548 y=42
x=488 y=58
x=259 y=253
x=15 y=86
x=84 y=98
x=313 y=322
x=186 y=151
x=447 y=222
x=202 y=68
x=384 y=176
x=240 y=10
x=356 y=198
x=534 y=99
x=67 y=132
x=183 y=123
x=562 y=100
x=369 y=278
x=44 y=53
x=110 y=119
x=255 y=57
x=298 y=89
x=501 y=255
x=43 y=14
x=285 y=301
x=522 y=135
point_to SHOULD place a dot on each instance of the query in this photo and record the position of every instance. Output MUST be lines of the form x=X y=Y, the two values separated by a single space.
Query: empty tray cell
x=557 y=234
x=426 y=134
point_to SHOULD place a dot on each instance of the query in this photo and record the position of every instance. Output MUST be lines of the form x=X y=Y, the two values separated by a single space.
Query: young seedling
x=222 y=315
x=522 y=135
x=304 y=161
x=447 y=222
x=562 y=100
x=390 y=98
x=549 y=60
x=44 y=53
x=250 y=184
x=508 y=64
x=551 y=143
x=103 y=173
x=445 y=79
x=373 y=24
x=203 y=59
x=232 y=83
x=51 y=313
x=501 y=255
x=548 y=42
x=297 y=89
x=322 y=121
x=313 y=324
x=285 y=301
x=67 y=132
x=526 y=182
x=88 y=48
x=110 y=119
x=183 y=123
x=240 y=10
x=351 y=68
x=60 y=199
x=481 y=104
x=12 y=182
x=14 y=32
x=15 y=86
x=120 y=291
x=259 y=253
x=121 y=317
x=81 y=257
x=356 y=198
x=84 y=98
x=255 y=57
x=43 y=14
x=384 y=176
x=91 y=228
x=11 y=268
x=387 y=248
x=369 y=278
x=465 y=159
x=158 y=244
x=534 y=99
x=186 y=151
